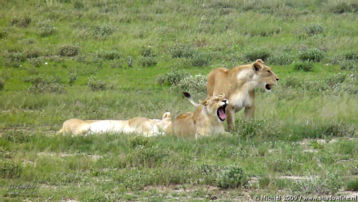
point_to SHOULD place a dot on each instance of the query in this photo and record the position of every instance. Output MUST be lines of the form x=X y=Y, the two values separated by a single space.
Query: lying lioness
x=239 y=85
x=140 y=125
x=206 y=120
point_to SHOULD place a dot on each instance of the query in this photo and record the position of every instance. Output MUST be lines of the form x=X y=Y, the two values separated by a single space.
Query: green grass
x=119 y=59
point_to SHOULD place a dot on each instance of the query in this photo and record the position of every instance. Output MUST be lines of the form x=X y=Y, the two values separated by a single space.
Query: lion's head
x=264 y=75
x=216 y=106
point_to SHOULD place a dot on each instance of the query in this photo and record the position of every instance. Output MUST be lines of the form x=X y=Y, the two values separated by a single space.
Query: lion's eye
x=268 y=71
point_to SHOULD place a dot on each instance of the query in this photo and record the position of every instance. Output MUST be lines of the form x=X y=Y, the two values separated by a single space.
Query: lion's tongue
x=222 y=114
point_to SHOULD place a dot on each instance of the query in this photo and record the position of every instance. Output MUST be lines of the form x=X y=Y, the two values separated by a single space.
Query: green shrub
x=190 y=83
x=78 y=4
x=172 y=78
x=10 y=169
x=253 y=55
x=72 y=78
x=21 y=21
x=351 y=55
x=328 y=183
x=146 y=156
x=3 y=34
x=41 y=84
x=46 y=88
x=36 y=62
x=68 y=51
x=313 y=29
x=103 y=31
x=147 y=61
x=231 y=177
x=344 y=7
x=200 y=60
x=280 y=59
x=15 y=59
x=264 y=182
x=314 y=55
x=147 y=52
x=33 y=53
x=109 y=55
x=2 y=83
x=181 y=51
x=96 y=85
x=46 y=28
x=306 y=66
x=348 y=65
x=352 y=185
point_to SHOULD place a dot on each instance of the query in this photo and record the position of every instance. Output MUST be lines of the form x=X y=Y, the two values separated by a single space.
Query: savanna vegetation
x=111 y=59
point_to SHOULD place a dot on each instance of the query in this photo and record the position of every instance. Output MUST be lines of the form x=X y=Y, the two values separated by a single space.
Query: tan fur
x=202 y=122
x=140 y=125
x=239 y=85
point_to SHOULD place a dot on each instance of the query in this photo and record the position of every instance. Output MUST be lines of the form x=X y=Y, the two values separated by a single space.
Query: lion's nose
x=277 y=79
x=225 y=101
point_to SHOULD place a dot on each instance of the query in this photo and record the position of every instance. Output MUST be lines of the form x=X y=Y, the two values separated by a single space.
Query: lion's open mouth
x=221 y=112
x=268 y=87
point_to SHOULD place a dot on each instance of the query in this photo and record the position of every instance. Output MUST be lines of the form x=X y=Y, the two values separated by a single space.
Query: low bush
x=14 y=58
x=96 y=85
x=306 y=66
x=351 y=55
x=231 y=177
x=313 y=29
x=200 y=59
x=344 y=7
x=36 y=62
x=257 y=54
x=42 y=84
x=109 y=55
x=2 y=83
x=3 y=34
x=46 y=28
x=33 y=53
x=147 y=51
x=352 y=185
x=314 y=55
x=102 y=31
x=68 y=51
x=181 y=51
x=190 y=83
x=10 y=169
x=172 y=78
x=23 y=21
x=280 y=59
x=147 y=61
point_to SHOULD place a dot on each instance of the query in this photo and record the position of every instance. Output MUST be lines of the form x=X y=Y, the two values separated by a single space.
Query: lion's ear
x=166 y=115
x=260 y=61
x=257 y=65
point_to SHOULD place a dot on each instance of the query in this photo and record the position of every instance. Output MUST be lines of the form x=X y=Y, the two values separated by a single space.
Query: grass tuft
x=68 y=51
x=231 y=177
x=10 y=169
x=314 y=55
x=257 y=54
x=352 y=185
x=306 y=66
x=23 y=21
x=96 y=85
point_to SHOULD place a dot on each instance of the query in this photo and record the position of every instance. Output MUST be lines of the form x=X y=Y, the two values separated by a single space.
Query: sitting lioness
x=140 y=125
x=239 y=85
x=207 y=119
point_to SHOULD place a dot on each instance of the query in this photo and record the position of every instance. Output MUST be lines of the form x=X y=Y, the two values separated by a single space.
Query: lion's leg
x=250 y=110
x=230 y=119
